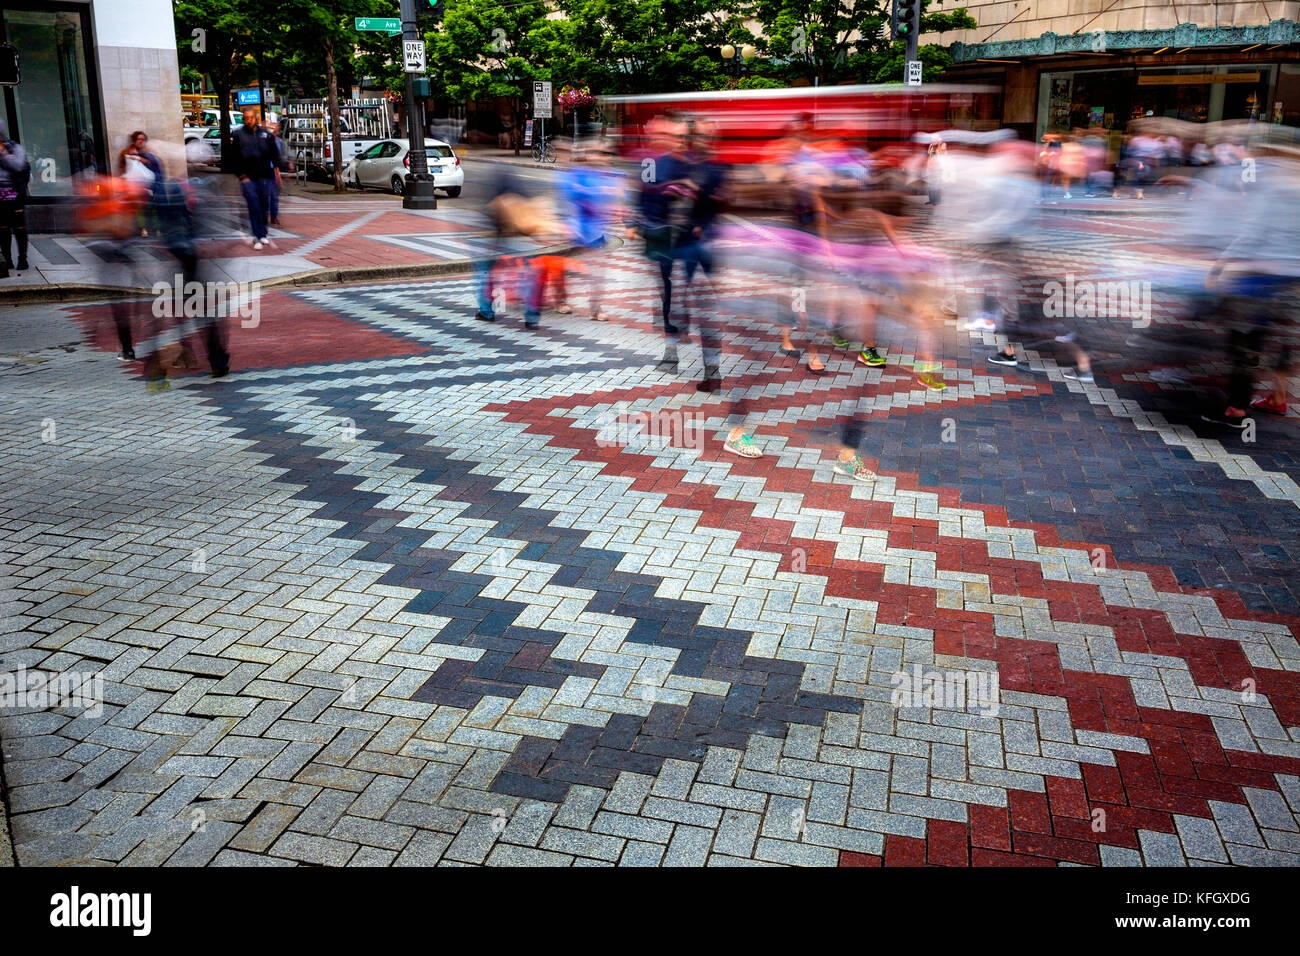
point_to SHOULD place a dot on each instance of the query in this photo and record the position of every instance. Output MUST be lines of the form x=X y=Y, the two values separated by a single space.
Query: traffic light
x=905 y=23
x=9 y=72
x=437 y=6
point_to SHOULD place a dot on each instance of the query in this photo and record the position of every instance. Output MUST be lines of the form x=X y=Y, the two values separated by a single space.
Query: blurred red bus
x=746 y=122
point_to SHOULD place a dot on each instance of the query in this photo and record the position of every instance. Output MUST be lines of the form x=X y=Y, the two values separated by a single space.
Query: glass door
x=51 y=111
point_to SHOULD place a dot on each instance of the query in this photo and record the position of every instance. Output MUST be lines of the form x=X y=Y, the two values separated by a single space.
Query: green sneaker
x=743 y=445
x=931 y=381
x=869 y=356
x=856 y=469
x=157 y=385
x=839 y=341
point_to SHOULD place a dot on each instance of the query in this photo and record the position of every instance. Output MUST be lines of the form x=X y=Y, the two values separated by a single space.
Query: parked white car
x=386 y=163
x=211 y=120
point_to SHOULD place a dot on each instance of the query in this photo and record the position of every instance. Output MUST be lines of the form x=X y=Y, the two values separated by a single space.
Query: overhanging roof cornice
x=1114 y=41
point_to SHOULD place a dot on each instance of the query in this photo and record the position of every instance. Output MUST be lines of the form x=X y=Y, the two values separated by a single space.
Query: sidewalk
x=495 y=154
x=324 y=237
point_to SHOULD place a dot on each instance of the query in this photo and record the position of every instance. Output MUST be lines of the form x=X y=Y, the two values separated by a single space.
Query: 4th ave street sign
x=390 y=25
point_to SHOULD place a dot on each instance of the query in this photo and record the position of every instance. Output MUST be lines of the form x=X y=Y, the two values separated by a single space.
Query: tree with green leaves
x=297 y=43
x=329 y=26
x=644 y=46
x=825 y=42
x=487 y=50
x=215 y=38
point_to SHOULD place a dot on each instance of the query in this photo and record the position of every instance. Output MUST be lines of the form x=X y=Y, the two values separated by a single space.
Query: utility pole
x=417 y=192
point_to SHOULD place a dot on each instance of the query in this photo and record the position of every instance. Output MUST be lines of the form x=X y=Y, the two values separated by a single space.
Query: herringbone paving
x=393 y=596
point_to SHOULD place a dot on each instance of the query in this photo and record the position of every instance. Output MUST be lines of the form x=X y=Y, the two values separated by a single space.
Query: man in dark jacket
x=257 y=156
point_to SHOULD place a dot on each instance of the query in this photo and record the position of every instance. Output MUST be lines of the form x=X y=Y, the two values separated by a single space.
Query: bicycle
x=543 y=153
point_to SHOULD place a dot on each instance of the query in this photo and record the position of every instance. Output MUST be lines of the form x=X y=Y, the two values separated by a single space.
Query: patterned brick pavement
x=389 y=596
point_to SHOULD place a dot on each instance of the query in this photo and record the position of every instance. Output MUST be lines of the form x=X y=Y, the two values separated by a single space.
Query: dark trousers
x=13 y=222
x=214 y=326
x=666 y=264
x=119 y=252
x=257 y=194
x=713 y=328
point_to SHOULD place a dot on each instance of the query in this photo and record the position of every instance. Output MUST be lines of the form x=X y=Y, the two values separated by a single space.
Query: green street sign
x=389 y=25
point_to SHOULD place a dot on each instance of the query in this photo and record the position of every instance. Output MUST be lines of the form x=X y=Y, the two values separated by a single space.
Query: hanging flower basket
x=573 y=98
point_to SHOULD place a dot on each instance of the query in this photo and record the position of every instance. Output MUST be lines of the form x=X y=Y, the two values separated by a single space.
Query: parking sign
x=542 y=99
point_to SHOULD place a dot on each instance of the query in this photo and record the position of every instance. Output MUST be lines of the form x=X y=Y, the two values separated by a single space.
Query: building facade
x=91 y=72
x=1062 y=65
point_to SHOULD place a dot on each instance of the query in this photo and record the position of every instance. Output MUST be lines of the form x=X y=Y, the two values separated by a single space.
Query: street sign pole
x=541 y=110
x=418 y=189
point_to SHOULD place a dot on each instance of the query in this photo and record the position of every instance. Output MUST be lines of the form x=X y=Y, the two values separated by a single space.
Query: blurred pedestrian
x=15 y=174
x=109 y=218
x=284 y=165
x=667 y=195
x=591 y=190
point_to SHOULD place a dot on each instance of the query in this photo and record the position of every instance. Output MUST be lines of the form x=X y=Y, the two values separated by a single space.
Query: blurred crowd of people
x=1092 y=163
x=147 y=201
x=819 y=247
x=816 y=246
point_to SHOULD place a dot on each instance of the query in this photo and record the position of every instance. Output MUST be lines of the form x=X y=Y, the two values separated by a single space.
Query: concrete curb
x=1064 y=209
x=85 y=292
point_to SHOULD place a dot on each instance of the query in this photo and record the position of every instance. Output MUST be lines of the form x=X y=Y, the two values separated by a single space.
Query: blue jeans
x=530 y=288
x=257 y=193
x=483 y=285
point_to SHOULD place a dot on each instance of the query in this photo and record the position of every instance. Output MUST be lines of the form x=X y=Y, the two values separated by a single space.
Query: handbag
x=138 y=172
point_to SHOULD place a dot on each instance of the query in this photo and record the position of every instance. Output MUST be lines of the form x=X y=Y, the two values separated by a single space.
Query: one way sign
x=414 y=53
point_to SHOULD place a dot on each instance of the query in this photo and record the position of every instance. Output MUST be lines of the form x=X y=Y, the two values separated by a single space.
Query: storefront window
x=1110 y=99
x=50 y=110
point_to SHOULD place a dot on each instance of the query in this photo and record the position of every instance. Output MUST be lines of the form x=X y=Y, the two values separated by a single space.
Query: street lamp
x=737 y=64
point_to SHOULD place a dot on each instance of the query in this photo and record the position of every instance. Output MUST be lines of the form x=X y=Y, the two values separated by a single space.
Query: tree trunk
x=335 y=128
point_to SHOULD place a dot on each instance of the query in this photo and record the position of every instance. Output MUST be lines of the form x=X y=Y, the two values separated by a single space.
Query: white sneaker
x=268 y=243
x=257 y=244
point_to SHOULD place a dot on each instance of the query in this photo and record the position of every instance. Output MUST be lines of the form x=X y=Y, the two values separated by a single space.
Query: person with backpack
x=15 y=174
